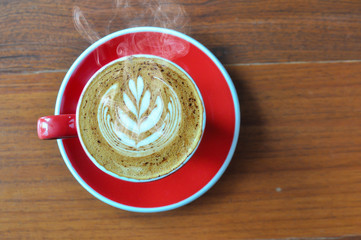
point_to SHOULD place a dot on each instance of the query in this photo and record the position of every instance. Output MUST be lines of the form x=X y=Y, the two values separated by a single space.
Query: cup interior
x=102 y=167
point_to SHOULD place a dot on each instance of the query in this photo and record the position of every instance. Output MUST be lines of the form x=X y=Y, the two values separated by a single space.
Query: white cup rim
x=102 y=167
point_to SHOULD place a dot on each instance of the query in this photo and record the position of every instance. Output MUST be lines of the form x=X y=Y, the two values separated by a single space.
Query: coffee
x=140 y=117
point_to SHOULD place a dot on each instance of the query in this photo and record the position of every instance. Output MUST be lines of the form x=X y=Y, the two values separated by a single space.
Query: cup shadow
x=251 y=139
x=252 y=133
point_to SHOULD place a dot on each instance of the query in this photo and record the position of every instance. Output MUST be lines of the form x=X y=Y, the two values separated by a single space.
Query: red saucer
x=215 y=150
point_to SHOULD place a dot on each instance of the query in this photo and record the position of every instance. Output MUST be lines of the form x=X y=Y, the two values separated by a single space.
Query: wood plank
x=295 y=173
x=39 y=35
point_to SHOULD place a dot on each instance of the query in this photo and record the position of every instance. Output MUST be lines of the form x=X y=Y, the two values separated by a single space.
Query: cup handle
x=57 y=126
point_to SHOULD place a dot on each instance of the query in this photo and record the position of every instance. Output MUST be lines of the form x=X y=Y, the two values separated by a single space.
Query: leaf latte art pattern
x=139 y=121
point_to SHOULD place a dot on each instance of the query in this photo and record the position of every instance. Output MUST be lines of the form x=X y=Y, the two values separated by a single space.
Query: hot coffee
x=140 y=117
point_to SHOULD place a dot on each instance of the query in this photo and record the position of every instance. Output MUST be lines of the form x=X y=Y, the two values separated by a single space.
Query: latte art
x=140 y=117
x=135 y=124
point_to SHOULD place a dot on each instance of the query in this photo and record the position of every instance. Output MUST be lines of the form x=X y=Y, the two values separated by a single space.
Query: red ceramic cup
x=66 y=125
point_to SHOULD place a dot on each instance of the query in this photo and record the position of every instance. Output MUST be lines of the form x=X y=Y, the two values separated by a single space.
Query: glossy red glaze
x=212 y=151
x=57 y=126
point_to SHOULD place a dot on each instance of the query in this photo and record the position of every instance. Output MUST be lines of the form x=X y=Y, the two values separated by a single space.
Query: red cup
x=65 y=126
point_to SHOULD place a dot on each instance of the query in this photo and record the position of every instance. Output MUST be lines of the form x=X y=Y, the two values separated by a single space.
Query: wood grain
x=296 y=170
x=39 y=35
x=295 y=173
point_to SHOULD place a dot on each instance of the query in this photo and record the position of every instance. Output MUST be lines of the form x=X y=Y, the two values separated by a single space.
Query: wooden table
x=296 y=172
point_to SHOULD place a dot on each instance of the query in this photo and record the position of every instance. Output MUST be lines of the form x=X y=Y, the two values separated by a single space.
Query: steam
x=132 y=13
x=83 y=27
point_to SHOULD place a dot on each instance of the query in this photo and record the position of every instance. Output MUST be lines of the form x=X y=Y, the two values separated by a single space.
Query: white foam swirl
x=135 y=125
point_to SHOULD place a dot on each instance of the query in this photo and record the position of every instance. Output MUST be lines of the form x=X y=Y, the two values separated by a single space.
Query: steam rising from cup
x=127 y=13
x=83 y=27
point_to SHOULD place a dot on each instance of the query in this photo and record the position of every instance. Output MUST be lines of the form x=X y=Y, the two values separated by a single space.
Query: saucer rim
x=225 y=164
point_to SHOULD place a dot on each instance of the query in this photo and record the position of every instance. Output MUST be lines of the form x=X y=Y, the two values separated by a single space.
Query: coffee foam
x=140 y=117
x=139 y=126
